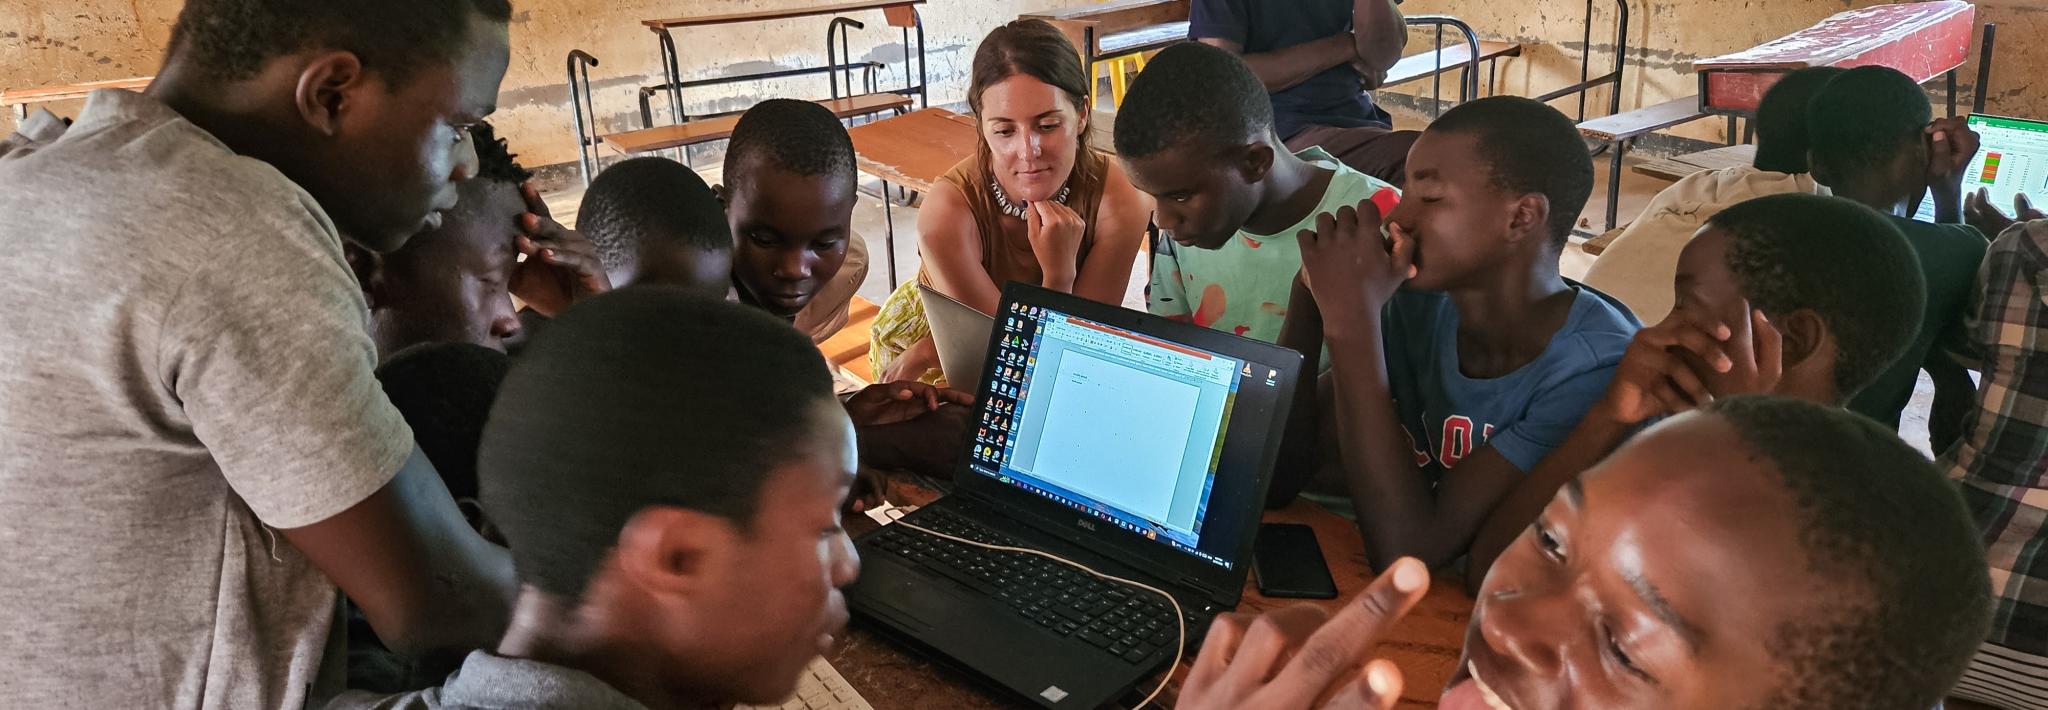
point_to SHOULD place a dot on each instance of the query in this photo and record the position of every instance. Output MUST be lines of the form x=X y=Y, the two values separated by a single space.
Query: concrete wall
x=45 y=42
x=65 y=41
x=1665 y=36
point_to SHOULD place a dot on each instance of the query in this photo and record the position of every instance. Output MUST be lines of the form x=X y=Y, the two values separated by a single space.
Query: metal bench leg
x=1614 y=184
x=889 y=234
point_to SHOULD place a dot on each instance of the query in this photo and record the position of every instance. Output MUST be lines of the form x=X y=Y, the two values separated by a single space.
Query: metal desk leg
x=671 y=69
x=889 y=234
x=1951 y=93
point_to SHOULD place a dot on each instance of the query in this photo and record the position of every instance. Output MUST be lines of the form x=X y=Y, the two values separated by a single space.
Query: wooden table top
x=914 y=149
x=782 y=14
x=41 y=94
x=1426 y=644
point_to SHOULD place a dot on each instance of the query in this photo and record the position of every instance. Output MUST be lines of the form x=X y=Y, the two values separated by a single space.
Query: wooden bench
x=1427 y=64
x=1116 y=29
x=705 y=130
x=848 y=348
x=1621 y=128
x=1683 y=166
x=21 y=99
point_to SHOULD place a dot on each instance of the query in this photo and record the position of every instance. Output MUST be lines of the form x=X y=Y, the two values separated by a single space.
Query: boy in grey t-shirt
x=196 y=451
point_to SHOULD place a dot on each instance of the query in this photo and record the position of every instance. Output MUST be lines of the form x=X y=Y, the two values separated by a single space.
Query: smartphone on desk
x=1289 y=564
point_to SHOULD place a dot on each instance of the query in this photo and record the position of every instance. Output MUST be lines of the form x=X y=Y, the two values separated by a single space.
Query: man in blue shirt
x=1318 y=58
x=1460 y=357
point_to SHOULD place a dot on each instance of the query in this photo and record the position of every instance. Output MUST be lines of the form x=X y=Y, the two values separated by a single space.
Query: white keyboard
x=819 y=688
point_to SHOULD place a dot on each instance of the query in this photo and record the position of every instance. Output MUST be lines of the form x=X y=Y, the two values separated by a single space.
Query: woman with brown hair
x=1035 y=204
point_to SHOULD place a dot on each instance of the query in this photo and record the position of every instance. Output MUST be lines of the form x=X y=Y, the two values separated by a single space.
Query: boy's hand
x=561 y=266
x=1657 y=375
x=1301 y=657
x=1952 y=145
x=1347 y=264
x=896 y=402
x=1055 y=233
x=1987 y=218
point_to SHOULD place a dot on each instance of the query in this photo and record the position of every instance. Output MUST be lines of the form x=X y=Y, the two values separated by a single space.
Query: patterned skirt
x=898 y=326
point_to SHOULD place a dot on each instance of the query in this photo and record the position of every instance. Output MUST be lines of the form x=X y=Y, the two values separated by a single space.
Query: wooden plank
x=900 y=15
x=1600 y=243
x=1454 y=56
x=782 y=14
x=1643 y=120
x=1924 y=40
x=720 y=128
x=1143 y=39
x=914 y=149
x=852 y=341
x=1680 y=167
x=44 y=94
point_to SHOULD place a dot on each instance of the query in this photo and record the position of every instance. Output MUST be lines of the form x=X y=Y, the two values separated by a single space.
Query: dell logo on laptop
x=1085 y=525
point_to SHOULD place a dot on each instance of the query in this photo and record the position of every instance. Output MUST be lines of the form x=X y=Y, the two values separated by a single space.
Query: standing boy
x=197 y=450
x=1318 y=59
x=1460 y=356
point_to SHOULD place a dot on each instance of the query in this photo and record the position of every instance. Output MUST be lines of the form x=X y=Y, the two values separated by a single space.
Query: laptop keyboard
x=1124 y=621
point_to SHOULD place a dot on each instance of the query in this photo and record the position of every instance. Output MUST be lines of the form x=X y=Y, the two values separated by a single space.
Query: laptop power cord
x=1180 y=643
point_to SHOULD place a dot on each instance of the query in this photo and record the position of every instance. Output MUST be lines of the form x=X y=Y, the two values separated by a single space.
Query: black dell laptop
x=1139 y=446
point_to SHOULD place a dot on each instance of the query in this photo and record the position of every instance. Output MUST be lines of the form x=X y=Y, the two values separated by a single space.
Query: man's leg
x=1378 y=152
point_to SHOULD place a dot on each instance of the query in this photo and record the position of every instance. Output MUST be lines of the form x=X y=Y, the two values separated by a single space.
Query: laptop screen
x=2014 y=159
x=1121 y=426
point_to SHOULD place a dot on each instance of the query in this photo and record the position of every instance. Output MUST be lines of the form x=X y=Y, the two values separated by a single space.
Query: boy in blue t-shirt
x=1459 y=356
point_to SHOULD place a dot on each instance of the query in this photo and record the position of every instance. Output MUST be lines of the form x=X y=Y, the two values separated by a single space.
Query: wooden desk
x=1426 y=644
x=783 y=14
x=1115 y=29
x=705 y=130
x=914 y=149
x=1681 y=167
x=900 y=14
x=911 y=151
x=1924 y=40
x=20 y=99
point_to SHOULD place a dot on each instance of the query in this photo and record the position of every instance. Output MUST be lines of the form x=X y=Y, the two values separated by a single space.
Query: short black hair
x=1192 y=95
x=648 y=395
x=1862 y=119
x=231 y=40
x=1875 y=517
x=1781 y=129
x=798 y=136
x=1843 y=260
x=495 y=159
x=1529 y=148
x=651 y=201
x=444 y=391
